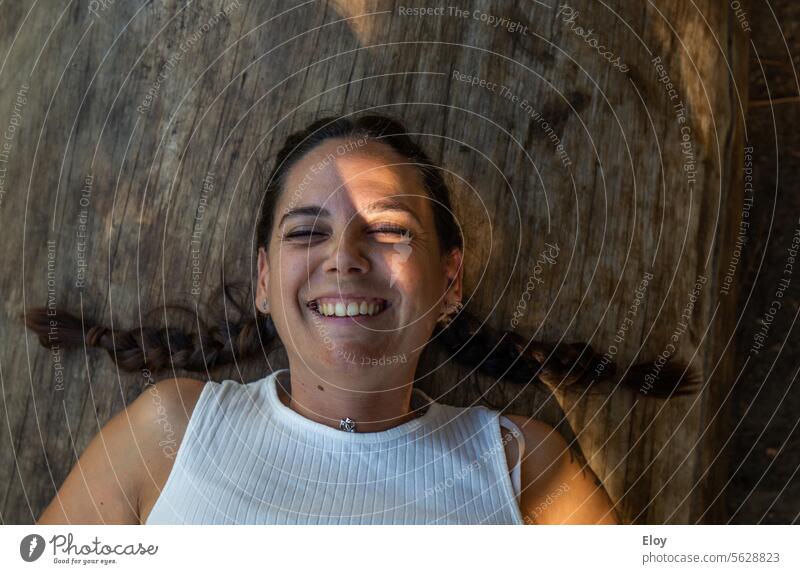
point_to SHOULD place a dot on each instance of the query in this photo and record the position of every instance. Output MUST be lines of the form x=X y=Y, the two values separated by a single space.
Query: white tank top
x=246 y=458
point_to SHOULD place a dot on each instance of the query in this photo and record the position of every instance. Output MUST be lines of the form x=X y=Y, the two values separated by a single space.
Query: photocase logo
x=31 y=547
x=402 y=253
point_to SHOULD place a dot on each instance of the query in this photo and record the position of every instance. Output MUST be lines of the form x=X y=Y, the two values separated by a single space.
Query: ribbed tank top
x=246 y=458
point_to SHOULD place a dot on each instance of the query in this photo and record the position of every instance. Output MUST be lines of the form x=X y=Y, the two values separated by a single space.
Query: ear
x=454 y=270
x=263 y=279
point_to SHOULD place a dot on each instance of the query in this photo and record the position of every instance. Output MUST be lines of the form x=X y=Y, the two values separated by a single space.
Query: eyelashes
x=395 y=230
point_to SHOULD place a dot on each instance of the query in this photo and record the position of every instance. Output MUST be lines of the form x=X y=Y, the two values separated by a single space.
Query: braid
x=504 y=354
x=560 y=366
x=160 y=349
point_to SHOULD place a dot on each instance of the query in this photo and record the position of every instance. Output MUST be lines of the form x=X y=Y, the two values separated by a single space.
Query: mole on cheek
x=320 y=387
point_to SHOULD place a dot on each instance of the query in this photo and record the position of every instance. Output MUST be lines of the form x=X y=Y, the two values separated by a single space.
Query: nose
x=347 y=257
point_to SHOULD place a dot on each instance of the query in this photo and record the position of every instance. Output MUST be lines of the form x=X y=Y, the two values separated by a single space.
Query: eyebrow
x=380 y=205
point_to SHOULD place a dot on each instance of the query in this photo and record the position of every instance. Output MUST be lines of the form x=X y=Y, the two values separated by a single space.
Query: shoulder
x=161 y=415
x=125 y=457
x=557 y=488
x=171 y=398
x=156 y=423
x=539 y=434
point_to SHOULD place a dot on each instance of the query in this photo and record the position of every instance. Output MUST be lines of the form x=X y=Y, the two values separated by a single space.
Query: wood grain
x=151 y=100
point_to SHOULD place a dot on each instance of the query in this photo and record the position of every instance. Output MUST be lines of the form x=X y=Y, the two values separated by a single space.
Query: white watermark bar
x=390 y=549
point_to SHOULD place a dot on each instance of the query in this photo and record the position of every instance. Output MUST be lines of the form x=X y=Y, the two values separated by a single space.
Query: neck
x=380 y=399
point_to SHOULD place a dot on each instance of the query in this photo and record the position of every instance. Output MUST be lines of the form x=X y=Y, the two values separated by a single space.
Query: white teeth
x=349 y=309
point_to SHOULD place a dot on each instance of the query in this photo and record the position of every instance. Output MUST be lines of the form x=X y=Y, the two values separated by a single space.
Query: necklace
x=349 y=425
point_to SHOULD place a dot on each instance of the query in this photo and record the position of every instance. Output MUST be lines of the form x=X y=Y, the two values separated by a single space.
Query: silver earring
x=264 y=305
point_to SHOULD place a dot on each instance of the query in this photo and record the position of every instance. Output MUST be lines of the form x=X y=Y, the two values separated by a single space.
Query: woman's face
x=354 y=275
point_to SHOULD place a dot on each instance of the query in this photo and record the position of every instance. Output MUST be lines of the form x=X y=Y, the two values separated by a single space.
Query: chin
x=353 y=356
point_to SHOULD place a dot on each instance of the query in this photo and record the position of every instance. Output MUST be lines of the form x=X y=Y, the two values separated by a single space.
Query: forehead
x=356 y=172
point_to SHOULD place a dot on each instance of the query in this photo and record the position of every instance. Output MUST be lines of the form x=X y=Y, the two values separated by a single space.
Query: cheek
x=285 y=285
x=421 y=286
x=409 y=260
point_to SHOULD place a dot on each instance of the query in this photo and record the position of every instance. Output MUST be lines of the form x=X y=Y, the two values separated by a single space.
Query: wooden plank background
x=135 y=117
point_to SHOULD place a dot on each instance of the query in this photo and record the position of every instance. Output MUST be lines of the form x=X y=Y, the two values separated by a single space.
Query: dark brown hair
x=500 y=354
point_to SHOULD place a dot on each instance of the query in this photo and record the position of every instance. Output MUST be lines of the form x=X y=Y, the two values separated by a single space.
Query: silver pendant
x=347 y=424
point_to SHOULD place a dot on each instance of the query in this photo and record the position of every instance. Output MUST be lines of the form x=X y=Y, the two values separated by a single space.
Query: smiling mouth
x=348 y=308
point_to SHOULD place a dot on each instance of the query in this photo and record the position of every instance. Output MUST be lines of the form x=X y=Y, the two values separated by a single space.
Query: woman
x=359 y=268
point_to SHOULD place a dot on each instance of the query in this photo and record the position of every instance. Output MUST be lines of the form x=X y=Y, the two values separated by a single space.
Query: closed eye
x=307 y=233
x=394 y=230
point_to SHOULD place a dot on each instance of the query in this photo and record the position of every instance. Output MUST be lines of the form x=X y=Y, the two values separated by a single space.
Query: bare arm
x=105 y=485
x=556 y=487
